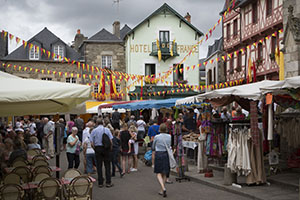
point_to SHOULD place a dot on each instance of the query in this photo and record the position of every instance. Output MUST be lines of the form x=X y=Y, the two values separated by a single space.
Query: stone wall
x=52 y=66
x=94 y=52
x=3 y=46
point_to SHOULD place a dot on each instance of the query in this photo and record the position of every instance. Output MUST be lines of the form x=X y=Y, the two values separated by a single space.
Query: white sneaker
x=133 y=169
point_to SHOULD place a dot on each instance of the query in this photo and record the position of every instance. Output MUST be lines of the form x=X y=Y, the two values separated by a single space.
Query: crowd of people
x=125 y=135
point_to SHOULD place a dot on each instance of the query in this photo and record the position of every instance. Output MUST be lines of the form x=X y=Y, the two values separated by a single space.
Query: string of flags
x=89 y=68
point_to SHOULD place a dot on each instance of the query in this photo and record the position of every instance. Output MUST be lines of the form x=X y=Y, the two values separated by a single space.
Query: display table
x=189 y=144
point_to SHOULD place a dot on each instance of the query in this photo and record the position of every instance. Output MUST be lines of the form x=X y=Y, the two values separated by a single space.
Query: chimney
x=188 y=17
x=116 y=28
x=78 y=40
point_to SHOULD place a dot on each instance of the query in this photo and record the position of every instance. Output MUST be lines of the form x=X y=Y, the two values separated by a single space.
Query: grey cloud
x=64 y=17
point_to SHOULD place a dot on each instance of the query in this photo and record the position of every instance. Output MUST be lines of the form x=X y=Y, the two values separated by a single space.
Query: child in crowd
x=115 y=153
x=131 y=142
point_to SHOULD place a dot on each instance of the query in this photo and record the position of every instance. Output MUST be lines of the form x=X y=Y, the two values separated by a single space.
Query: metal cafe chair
x=40 y=176
x=72 y=173
x=24 y=173
x=49 y=188
x=11 y=192
x=80 y=188
x=40 y=163
x=41 y=169
x=12 y=178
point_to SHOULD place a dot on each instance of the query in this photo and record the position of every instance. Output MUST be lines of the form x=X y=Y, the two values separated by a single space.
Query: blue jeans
x=90 y=159
x=115 y=162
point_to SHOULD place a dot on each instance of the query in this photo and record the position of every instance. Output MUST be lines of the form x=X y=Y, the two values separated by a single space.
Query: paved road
x=143 y=185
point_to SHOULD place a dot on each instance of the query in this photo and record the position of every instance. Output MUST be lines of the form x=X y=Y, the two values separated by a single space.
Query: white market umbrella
x=28 y=96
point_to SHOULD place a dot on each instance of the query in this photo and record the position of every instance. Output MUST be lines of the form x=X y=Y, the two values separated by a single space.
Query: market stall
x=240 y=133
x=285 y=138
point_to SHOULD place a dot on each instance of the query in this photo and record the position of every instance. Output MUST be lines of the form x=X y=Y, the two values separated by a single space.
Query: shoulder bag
x=172 y=160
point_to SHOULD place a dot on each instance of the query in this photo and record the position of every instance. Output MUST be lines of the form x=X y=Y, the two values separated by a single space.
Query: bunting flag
x=158 y=50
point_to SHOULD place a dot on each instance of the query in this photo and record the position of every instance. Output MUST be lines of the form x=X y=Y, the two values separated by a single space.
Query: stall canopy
x=248 y=91
x=109 y=105
x=289 y=83
x=166 y=103
x=28 y=96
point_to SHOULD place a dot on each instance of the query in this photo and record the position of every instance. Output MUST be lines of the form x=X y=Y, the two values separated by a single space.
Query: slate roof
x=163 y=8
x=104 y=36
x=46 y=38
x=217 y=46
x=124 y=31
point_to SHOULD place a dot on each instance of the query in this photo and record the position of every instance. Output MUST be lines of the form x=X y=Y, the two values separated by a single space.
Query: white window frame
x=71 y=80
x=106 y=61
x=96 y=89
x=118 y=88
x=34 y=54
x=46 y=79
x=59 y=51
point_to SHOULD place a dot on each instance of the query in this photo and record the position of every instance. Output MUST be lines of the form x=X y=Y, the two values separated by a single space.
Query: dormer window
x=59 y=51
x=34 y=54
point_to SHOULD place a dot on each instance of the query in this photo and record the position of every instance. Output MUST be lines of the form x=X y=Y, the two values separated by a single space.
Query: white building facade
x=175 y=36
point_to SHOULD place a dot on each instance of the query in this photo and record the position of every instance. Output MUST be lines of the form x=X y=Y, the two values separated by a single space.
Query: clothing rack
x=178 y=132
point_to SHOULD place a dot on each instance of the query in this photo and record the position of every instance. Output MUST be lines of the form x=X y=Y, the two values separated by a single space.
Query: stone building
x=3 y=46
x=215 y=72
x=291 y=39
x=105 y=50
x=30 y=61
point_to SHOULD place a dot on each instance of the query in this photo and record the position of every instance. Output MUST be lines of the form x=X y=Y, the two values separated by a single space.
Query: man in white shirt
x=32 y=127
x=49 y=129
x=141 y=124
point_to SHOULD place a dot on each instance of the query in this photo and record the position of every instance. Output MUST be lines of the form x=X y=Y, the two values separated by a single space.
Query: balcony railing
x=165 y=48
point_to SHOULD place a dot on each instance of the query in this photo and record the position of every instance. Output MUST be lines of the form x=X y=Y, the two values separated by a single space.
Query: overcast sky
x=25 y=18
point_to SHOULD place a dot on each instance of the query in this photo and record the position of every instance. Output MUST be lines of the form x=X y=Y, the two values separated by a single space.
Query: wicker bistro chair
x=19 y=163
x=39 y=157
x=24 y=173
x=11 y=192
x=40 y=176
x=33 y=152
x=80 y=188
x=40 y=163
x=12 y=178
x=72 y=173
x=49 y=188
x=41 y=169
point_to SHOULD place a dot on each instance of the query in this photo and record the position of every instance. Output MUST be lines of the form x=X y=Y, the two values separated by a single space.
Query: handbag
x=172 y=160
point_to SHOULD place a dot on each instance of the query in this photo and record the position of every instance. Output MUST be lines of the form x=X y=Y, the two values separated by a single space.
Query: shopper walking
x=79 y=123
x=115 y=118
x=124 y=138
x=89 y=153
x=133 y=133
x=73 y=149
x=49 y=129
x=102 y=154
x=115 y=154
x=161 y=162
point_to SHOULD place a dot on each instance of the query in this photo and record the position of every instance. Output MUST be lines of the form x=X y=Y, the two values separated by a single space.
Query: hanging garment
x=238 y=152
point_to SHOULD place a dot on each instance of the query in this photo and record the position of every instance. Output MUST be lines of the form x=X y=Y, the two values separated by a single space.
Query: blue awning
x=165 y=103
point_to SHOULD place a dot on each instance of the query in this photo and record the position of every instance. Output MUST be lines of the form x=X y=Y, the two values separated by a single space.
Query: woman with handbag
x=161 y=145
x=73 y=149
